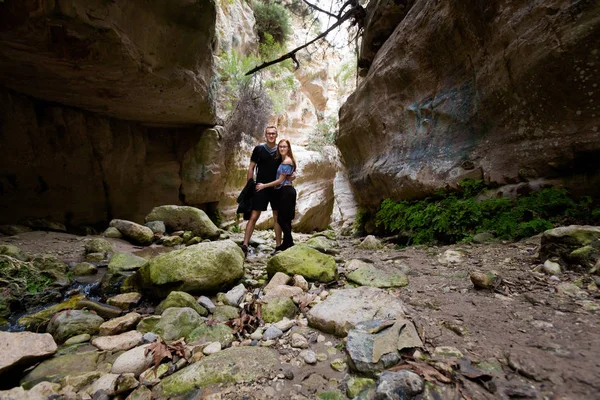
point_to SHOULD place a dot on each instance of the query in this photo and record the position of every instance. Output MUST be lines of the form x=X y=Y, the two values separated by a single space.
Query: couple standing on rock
x=276 y=166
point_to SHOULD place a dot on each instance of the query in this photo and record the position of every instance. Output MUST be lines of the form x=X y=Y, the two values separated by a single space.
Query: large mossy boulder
x=71 y=323
x=97 y=245
x=209 y=266
x=180 y=299
x=230 y=366
x=135 y=233
x=185 y=218
x=120 y=267
x=305 y=261
x=208 y=333
x=574 y=244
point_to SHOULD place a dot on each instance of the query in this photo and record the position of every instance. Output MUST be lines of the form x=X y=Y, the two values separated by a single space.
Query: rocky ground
x=530 y=335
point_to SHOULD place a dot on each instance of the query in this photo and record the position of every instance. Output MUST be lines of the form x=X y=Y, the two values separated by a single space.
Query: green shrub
x=273 y=19
x=324 y=133
x=453 y=217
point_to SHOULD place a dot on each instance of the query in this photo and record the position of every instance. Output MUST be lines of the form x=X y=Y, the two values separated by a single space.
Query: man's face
x=271 y=136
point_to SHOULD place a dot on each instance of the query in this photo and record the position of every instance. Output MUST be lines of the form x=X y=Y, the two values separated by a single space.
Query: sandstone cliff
x=501 y=90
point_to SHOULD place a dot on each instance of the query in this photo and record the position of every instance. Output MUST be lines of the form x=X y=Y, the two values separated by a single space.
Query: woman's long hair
x=290 y=154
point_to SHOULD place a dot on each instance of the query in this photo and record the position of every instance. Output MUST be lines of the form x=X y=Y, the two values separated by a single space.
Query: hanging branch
x=357 y=12
x=321 y=10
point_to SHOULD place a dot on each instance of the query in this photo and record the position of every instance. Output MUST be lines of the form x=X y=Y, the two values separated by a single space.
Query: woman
x=285 y=194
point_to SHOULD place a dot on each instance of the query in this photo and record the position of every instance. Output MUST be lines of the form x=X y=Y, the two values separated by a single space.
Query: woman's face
x=283 y=148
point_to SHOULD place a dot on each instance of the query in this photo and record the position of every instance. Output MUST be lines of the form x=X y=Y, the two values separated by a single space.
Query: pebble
x=257 y=334
x=308 y=356
x=322 y=356
x=272 y=332
x=84 y=337
x=320 y=339
x=299 y=341
x=206 y=303
x=285 y=324
x=149 y=337
x=212 y=348
x=551 y=268
x=339 y=364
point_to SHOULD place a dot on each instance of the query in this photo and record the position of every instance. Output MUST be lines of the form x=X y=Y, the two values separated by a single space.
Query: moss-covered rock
x=120 y=267
x=561 y=242
x=202 y=267
x=97 y=245
x=586 y=256
x=13 y=251
x=225 y=313
x=369 y=275
x=148 y=324
x=305 y=261
x=233 y=365
x=112 y=232
x=207 y=333
x=355 y=385
x=180 y=299
x=35 y=321
x=135 y=233
x=71 y=323
x=275 y=309
x=58 y=367
x=177 y=322
x=370 y=243
x=322 y=244
x=83 y=269
x=185 y=218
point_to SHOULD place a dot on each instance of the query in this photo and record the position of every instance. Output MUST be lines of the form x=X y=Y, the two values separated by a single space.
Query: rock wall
x=501 y=90
x=76 y=167
x=127 y=59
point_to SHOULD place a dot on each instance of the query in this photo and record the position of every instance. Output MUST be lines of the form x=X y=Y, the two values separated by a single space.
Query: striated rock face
x=134 y=60
x=505 y=91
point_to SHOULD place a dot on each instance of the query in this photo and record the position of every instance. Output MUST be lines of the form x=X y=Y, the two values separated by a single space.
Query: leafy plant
x=273 y=19
x=453 y=217
x=324 y=133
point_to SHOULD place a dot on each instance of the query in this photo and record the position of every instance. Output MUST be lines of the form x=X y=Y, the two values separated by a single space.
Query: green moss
x=454 y=217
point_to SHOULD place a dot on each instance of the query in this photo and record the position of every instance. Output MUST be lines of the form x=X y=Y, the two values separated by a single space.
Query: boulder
x=202 y=267
x=207 y=333
x=83 y=269
x=561 y=242
x=134 y=361
x=373 y=345
x=402 y=384
x=13 y=251
x=225 y=313
x=177 y=322
x=111 y=232
x=112 y=384
x=156 y=226
x=41 y=318
x=120 y=324
x=180 y=299
x=230 y=366
x=97 y=245
x=275 y=309
x=125 y=301
x=120 y=267
x=185 y=218
x=323 y=244
x=122 y=342
x=370 y=243
x=22 y=349
x=369 y=275
x=135 y=233
x=345 y=308
x=56 y=368
x=305 y=261
x=73 y=322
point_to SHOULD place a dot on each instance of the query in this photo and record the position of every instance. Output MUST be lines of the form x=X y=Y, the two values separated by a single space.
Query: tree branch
x=355 y=11
x=321 y=10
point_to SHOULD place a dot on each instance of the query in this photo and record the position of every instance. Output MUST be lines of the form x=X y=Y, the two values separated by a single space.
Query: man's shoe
x=277 y=250
x=245 y=250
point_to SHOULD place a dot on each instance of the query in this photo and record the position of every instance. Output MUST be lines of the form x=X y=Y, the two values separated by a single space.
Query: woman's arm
x=261 y=186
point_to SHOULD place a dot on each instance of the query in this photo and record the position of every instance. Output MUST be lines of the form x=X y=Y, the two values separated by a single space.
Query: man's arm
x=250 y=173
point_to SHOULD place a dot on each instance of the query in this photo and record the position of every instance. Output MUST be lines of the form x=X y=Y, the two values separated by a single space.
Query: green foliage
x=360 y=219
x=346 y=76
x=273 y=19
x=453 y=217
x=231 y=74
x=324 y=133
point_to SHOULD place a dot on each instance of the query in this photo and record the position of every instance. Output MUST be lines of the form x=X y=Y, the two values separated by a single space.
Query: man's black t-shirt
x=267 y=164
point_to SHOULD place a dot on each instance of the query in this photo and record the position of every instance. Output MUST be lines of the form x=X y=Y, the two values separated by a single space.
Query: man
x=263 y=158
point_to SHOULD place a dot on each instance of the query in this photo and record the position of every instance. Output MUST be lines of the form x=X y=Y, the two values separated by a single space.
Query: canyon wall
x=505 y=91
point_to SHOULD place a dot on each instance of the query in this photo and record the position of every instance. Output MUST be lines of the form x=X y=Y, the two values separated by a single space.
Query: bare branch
x=356 y=11
x=321 y=10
